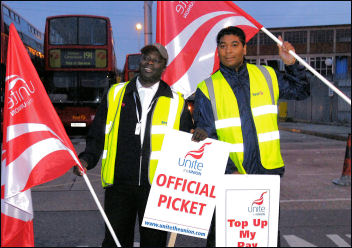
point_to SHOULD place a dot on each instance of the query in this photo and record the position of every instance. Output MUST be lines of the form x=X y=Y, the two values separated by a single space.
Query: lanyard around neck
x=149 y=107
x=137 y=112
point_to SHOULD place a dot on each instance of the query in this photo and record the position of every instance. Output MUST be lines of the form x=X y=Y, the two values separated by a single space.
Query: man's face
x=151 y=67
x=231 y=51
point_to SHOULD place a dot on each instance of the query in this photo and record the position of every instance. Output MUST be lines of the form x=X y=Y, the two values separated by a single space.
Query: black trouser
x=211 y=234
x=122 y=204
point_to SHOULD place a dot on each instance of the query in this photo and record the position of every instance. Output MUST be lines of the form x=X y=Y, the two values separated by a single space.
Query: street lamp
x=139 y=28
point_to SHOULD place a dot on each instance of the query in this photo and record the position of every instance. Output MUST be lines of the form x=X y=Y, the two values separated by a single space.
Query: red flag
x=36 y=148
x=188 y=30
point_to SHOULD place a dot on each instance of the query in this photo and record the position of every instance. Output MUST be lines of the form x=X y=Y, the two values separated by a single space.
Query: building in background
x=325 y=48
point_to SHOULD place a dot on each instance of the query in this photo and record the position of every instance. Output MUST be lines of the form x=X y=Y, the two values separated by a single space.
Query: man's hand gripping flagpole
x=317 y=74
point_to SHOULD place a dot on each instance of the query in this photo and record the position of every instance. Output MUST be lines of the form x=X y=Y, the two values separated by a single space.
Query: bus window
x=63 y=31
x=93 y=86
x=92 y=31
x=63 y=87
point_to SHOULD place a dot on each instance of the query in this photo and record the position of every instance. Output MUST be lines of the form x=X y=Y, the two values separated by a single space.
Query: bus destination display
x=81 y=58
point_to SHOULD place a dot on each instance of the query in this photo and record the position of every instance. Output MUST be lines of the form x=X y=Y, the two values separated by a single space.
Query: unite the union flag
x=188 y=30
x=35 y=146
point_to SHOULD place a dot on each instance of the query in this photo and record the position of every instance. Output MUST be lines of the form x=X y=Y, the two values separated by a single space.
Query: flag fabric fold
x=188 y=30
x=35 y=146
x=17 y=221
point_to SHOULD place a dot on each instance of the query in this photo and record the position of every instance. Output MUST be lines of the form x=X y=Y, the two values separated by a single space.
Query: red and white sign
x=247 y=211
x=188 y=30
x=184 y=189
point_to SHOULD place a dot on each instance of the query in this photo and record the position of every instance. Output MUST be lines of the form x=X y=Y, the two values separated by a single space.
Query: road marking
x=338 y=240
x=294 y=241
x=316 y=200
x=348 y=235
x=136 y=244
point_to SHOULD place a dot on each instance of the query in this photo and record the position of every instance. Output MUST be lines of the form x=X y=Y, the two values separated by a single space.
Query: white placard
x=247 y=211
x=184 y=189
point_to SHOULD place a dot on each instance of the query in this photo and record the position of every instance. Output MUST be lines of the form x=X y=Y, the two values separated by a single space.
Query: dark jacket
x=293 y=85
x=127 y=166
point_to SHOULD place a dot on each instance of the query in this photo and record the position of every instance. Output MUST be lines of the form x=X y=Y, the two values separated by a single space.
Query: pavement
x=337 y=132
x=66 y=214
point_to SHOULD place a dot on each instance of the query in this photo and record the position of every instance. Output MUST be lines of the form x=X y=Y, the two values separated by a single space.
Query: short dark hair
x=231 y=30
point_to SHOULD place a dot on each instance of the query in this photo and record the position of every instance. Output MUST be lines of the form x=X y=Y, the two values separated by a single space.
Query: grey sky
x=125 y=14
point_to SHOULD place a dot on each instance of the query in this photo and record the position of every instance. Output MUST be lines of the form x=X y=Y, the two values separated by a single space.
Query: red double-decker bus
x=131 y=67
x=32 y=39
x=80 y=66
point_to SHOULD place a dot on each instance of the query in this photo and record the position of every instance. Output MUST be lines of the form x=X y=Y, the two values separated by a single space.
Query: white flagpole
x=101 y=209
x=344 y=97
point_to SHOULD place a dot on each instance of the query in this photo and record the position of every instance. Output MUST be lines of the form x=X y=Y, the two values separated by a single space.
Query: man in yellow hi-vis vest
x=128 y=131
x=238 y=105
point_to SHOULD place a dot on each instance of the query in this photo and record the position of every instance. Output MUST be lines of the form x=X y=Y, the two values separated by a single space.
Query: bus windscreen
x=78 y=31
x=133 y=62
x=73 y=87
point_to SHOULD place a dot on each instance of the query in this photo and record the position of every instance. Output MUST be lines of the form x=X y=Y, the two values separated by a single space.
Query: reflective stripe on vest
x=115 y=96
x=264 y=93
x=166 y=114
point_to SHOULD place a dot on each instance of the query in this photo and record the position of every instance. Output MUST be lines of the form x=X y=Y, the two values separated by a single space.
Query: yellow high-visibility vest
x=264 y=94
x=166 y=114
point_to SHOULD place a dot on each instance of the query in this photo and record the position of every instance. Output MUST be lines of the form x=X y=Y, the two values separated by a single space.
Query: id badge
x=138 y=129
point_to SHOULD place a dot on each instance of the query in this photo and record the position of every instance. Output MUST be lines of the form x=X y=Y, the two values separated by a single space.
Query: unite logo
x=259 y=209
x=197 y=154
x=184 y=7
x=193 y=166
x=19 y=93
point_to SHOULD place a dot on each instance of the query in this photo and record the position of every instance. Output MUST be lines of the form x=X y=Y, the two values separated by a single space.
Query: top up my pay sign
x=247 y=211
x=183 y=193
